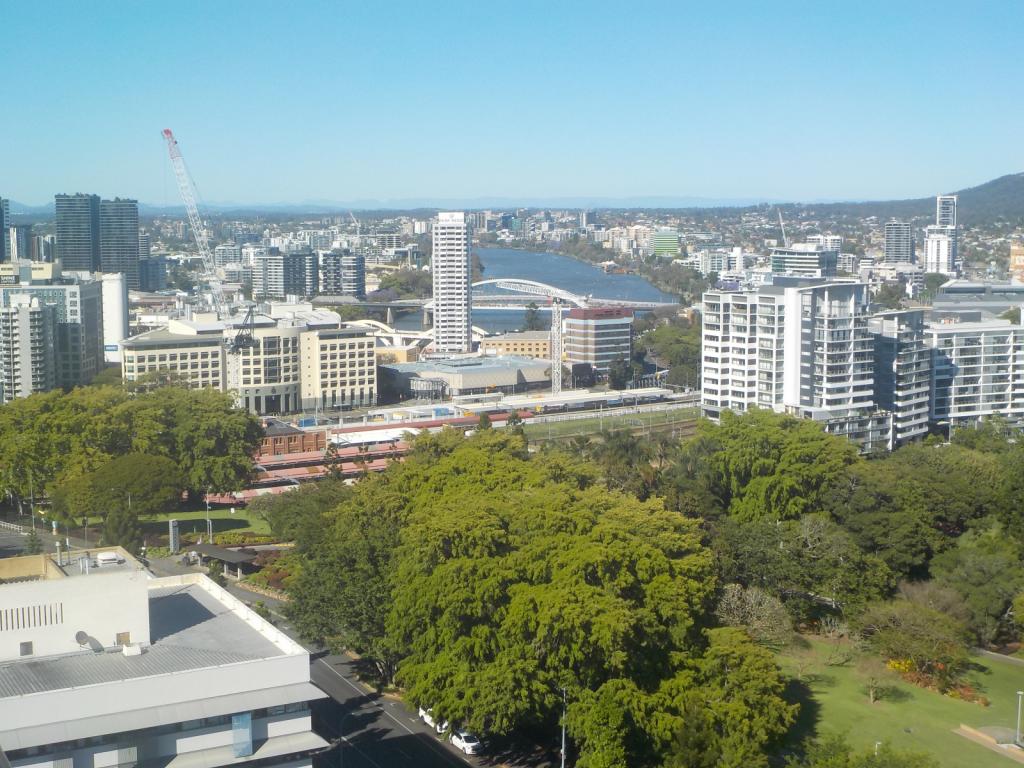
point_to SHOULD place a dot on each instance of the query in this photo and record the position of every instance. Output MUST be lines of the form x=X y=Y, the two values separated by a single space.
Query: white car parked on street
x=467 y=742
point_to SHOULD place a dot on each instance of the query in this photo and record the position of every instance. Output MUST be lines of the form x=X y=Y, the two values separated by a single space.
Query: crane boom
x=188 y=197
x=782 y=225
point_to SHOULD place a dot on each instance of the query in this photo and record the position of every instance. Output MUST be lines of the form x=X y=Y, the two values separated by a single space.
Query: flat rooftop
x=193 y=626
x=469 y=364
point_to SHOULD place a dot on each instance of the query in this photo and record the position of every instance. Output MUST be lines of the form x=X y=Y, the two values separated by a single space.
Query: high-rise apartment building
x=301 y=273
x=145 y=245
x=805 y=260
x=276 y=275
x=899 y=242
x=119 y=239
x=903 y=372
x=77 y=305
x=343 y=273
x=450 y=267
x=798 y=346
x=27 y=335
x=945 y=211
x=665 y=242
x=227 y=253
x=826 y=242
x=940 y=250
x=268 y=274
x=78 y=232
x=977 y=370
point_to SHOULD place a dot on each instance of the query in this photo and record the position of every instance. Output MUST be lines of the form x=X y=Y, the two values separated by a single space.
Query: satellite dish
x=82 y=638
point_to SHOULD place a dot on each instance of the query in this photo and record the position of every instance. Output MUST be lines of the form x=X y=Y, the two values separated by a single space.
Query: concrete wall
x=50 y=613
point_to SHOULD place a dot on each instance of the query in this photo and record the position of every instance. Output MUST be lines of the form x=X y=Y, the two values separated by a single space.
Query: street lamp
x=1020 y=695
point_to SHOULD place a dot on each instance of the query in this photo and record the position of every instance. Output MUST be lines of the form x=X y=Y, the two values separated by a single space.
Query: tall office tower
x=899 y=241
x=903 y=372
x=78 y=232
x=153 y=273
x=940 y=250
x=21 y=241
x=144 y=245
x=119 y=239
x=27 y=362
x=4 y=223
x=945 y=211
x=43 y=247
x=450 y=266
x=115 y=315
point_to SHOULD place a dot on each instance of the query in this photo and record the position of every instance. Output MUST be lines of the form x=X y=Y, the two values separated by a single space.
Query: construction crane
x=556 y=346
x=782 y=224
x=188 y=197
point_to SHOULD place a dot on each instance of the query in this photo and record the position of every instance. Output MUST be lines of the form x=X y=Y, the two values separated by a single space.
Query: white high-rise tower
x=451 y=271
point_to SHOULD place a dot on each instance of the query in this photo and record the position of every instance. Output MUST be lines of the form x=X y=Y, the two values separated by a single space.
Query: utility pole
x=563 y=727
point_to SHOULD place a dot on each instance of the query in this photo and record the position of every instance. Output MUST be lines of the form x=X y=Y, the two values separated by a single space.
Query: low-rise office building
x=300 y=359
x=436 y=379
x=525 y=343
x=102 y=664
x=597 y=337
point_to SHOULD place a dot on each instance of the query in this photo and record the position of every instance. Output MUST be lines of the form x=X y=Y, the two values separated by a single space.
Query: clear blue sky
x=300 y=101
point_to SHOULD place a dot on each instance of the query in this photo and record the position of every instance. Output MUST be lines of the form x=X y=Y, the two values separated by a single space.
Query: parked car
x=441 y=727
x=467 y=742
x=427 y=717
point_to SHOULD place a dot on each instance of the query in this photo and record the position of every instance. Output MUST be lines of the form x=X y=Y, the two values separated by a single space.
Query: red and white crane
x=188 y=197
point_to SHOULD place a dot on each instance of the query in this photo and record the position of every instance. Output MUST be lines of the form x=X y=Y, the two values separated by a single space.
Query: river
x=553 y=269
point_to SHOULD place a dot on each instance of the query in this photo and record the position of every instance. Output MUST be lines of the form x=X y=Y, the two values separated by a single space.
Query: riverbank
x=682 y=284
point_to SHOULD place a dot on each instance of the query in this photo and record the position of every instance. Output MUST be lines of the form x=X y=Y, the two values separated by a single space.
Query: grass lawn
x=189 y=521
x=834 y=700
x=590 y=426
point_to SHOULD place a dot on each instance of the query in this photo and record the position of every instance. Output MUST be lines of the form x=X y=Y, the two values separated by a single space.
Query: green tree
x=985 y=569
x=835 y=752
x=933 y=643
x=619 y=374
x=33 y=544
x=484 y=422
x=533 y=320
x=763 y=465
x=121 y=528
x=677 y=348
x=889 y=296
x=298 y=516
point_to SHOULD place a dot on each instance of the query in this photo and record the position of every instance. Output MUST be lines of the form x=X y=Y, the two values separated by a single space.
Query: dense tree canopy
x=48 y=440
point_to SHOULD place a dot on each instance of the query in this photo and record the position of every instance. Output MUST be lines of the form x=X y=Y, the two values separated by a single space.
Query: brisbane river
x=553 y=269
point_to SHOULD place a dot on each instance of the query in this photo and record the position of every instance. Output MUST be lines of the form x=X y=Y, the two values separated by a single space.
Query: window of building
x=123 y=638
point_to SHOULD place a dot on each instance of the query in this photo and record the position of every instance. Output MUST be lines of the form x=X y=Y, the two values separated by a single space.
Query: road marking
x=437 y=747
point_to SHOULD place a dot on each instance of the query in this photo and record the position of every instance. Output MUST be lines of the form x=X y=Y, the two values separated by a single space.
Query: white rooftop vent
x=132 y=649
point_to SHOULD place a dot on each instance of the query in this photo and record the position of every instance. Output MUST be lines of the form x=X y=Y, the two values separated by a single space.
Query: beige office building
x=300 y=360
x=524 y=343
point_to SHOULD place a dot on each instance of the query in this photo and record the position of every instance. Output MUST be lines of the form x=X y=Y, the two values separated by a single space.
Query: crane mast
x=188 y=197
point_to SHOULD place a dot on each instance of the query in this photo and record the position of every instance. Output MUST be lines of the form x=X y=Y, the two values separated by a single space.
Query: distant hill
x=1001 y=198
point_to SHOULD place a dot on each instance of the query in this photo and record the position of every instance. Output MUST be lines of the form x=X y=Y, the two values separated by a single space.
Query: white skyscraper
x=940 y=250
x=115 y=315
x=450 y=266
x=945 y=211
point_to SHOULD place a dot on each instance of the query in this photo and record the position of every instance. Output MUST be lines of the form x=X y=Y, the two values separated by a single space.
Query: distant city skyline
x=403 y=101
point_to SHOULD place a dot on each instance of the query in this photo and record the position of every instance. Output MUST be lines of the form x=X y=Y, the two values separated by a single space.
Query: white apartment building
x=27 y=360
x=796 y=346
x=805 y=260
x=450 y=266
x=268 y=275
x=300 y=359
x=903 y=372
x=227 y=253
x=101 y=664
x=977 y=370
x=940 y=250
x=252 y=251
x=826 y=242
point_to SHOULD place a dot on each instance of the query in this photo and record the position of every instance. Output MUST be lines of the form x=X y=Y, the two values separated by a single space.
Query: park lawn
x=914 y=718
x=590 y=426
x=223 y=521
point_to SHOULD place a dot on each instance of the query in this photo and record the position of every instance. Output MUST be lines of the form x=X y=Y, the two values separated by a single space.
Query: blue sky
x=302 y=101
